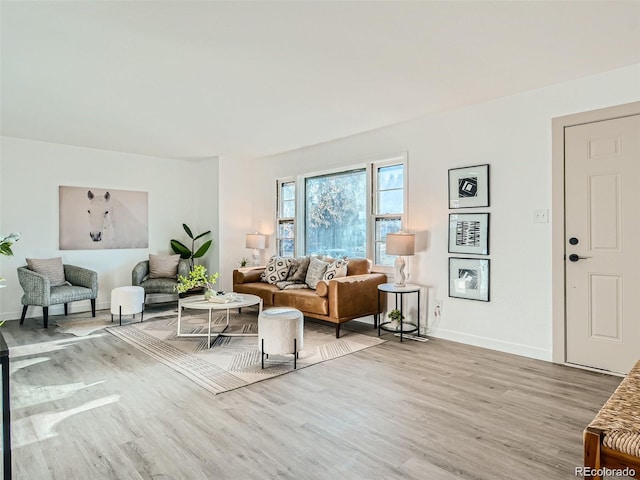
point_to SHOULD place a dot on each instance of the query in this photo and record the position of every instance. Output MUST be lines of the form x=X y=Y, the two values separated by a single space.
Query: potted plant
x=244 y=262
x=191 y=253
x=5 y=248
x=198 y=278
x=396 y=317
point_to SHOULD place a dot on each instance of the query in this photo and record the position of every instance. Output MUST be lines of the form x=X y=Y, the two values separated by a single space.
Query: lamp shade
x=400 y=243
x=255 y=240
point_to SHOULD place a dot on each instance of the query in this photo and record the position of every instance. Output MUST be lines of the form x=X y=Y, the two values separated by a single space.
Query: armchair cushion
x=163 y=266
x=49 y=267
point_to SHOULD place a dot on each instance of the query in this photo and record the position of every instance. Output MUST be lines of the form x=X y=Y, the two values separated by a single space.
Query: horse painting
x=102 y=219
x=99 y=215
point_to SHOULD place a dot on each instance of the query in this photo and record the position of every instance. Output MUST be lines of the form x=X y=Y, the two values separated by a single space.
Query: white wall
x=513 y=135
x=30 y=173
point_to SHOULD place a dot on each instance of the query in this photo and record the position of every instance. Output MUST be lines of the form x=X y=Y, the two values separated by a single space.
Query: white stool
x=127 y=301
x=280 y=331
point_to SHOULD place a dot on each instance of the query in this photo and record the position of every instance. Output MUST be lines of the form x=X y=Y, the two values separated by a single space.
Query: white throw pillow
x=315 y=273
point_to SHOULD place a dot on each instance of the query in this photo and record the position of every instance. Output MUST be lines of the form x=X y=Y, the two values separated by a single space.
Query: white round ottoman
x=127 y=301
x=280 y=331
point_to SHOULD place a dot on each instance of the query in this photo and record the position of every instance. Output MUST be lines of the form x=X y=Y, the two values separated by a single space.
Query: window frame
x=280 y=220
x=375 y=165
x=371 y=167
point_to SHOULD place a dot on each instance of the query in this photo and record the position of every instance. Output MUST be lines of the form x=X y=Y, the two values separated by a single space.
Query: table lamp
x=256 y=241
x=400 y=244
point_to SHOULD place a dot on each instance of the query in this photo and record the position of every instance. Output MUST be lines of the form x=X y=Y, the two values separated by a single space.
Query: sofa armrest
x=354 y=296
x=248 y=276
x=37 y=287
x=82 y=277
x=140 y=271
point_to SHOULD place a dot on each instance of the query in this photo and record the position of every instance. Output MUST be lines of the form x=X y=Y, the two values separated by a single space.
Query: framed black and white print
x=469 y=233
x=469 y=278
x=469 y=187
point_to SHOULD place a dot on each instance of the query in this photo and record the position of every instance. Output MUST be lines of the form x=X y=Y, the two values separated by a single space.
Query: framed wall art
x=97 y=218
x=469 y=233
x=469 y=278
x=469 y=187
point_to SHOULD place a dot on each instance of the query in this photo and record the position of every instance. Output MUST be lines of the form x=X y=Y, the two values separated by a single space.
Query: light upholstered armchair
x=79 y=284
x=158 y=282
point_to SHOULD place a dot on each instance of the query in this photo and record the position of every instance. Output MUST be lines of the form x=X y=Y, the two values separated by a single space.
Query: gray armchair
x=83 y=285
x=140 y=278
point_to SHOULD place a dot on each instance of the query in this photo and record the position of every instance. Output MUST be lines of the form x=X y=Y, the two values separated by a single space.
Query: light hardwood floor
x=95 y=408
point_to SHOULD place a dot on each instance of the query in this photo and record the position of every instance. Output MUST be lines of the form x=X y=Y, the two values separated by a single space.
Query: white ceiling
x=246 y=79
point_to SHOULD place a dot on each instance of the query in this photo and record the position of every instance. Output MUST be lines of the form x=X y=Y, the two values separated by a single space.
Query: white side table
x=405 y=327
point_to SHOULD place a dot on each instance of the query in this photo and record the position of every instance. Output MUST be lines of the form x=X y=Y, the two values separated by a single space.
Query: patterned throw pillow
x=276 y=270
x=163 y=266
x=49 y=267
x=315 y=272
x=336 y=269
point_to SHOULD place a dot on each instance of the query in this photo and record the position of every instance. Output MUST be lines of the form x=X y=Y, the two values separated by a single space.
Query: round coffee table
x=199 y=303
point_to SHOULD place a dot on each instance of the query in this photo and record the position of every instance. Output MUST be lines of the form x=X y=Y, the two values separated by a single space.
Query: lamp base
x=255 y=257
x=399 y=278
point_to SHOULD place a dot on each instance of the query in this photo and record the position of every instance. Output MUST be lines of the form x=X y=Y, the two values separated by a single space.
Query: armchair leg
x=24 y=314
x=93 y=307
x=66 y=309
x=45 y=315
x=337 y=330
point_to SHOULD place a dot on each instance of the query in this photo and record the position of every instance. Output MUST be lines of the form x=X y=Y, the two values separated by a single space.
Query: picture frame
x=469 y=233
x=469 y=278
x=469 y=187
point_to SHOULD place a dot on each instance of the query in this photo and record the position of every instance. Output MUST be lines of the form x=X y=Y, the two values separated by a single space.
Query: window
x=388 y=206
x=336 y=214
x=286 y=212
x=345 y=213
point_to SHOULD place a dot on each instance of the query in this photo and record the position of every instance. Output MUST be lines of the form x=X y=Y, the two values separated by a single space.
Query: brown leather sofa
x=338 y=300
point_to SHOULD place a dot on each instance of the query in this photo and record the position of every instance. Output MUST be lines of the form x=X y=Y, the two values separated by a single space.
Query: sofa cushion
x=358 y=266
x=51 y=268
x=303 y=300
x=336 y=269
x=163 y=266
x=315 y=273
x=276 y=270
x=261 y=289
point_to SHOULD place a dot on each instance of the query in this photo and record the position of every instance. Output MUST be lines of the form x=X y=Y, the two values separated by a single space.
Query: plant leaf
x=180 y=248
x=203 y=234
x=203 y=249
x=188 y=230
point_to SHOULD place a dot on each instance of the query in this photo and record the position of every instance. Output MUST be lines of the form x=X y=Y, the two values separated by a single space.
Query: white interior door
x=602 y=229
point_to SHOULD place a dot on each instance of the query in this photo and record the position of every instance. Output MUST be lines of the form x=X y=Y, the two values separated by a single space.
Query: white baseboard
x=493 y=344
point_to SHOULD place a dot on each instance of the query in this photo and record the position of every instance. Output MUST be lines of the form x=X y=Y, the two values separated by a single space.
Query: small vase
x=209 y=293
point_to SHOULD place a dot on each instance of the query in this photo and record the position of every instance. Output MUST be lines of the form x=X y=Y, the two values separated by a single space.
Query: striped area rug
x=232 y=362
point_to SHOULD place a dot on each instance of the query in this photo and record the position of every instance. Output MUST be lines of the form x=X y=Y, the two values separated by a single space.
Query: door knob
x=573 y=241
x=574 y=258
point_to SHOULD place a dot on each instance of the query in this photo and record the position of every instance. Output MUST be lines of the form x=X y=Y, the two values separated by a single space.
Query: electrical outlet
x=437 y=311
x=541 y=216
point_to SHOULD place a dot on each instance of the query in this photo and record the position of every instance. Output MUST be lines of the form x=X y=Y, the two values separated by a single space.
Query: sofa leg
x=24 y=314
x=93 y=307
x=45 y=316
x=66 y=309
x=337 y=330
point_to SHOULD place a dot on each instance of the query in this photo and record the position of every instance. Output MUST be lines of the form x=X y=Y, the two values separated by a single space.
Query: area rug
x=232 y=362
x=82 y=324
